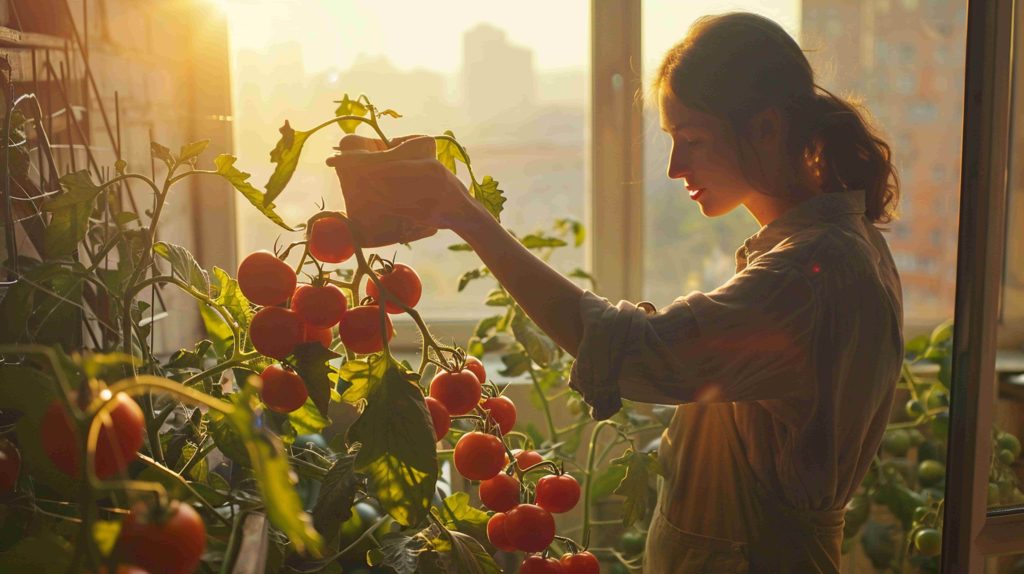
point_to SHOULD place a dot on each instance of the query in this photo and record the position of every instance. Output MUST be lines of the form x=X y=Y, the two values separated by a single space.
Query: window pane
x=510 y=85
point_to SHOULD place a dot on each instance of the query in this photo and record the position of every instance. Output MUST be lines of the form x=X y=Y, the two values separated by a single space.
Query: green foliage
x=240 y=180
x=312 y=363
x=641 y=467
x=70 y=211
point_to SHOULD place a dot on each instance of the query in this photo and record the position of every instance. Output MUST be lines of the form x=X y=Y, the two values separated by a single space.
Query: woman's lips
x=696 y=193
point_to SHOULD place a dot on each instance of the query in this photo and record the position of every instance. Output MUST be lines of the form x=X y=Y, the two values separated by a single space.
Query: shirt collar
x=817 y=209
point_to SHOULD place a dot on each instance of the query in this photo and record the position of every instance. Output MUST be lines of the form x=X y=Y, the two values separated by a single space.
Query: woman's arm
x=547 y=296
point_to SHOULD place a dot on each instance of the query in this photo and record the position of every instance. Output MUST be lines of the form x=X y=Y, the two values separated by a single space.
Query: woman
x=784 y=375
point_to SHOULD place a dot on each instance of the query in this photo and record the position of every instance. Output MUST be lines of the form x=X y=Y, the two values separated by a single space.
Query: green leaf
x=568 y=225
x=390 y=113
x=398 y=451
x=607 y=481
x=581 y=274
x=308 y=419
x=538 y=345
x=44 y=306
x=497 y=298
x=185 y=359
x=400 y=552
x=105 y=532
x=312 y=364
x=942 y=334
x=227 y=437
x=44 y=551
x=356 y=378
x=448 y=152
x=487 y=193
x=273 y=475
x=538 y=241
x=192 y=150
x=460 y=247
x=461 y=515
x=471 y=275
x=516 y=364
x=347 y=107
x=635 y=485
x=337 y=495
x=916 y=346
x=70 y=211
x=286 y=155
x=239 y=180
x=467 y=556
x=901 y=500
x=161 y=153
x=184 y=266
x=486 y=325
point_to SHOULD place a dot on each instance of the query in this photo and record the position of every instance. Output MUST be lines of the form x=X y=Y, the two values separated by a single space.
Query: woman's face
x=704 y=156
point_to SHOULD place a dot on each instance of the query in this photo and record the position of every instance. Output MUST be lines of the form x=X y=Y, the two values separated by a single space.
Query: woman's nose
x=678 y=163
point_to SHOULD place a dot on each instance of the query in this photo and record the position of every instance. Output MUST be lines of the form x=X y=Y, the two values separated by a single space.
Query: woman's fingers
x=359 y=150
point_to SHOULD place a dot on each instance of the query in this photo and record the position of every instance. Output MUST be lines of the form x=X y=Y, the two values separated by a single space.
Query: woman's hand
x=404 y=181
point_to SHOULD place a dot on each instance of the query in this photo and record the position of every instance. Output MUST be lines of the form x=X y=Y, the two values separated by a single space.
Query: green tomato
x=928 y=541
x=940 y=424
x=1006 y=457
x=1007 y=441
x=942 y=333
x=896 y=442
x=916 y=438
x=920 y=513
x=937 y=398
x=632 y=542
x=914 y=408
x=575 y=406
x=993 y=494
x=931 y=472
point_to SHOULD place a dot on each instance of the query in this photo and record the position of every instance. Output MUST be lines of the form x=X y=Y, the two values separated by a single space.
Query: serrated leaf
x=486 y=325
x=189 y=151
x=635 y=485
x=398 y=452
x=537 y=241
x=347 y=107
x=70 y=211
x=230 y=296
x=312 y=364
x=400 y=552
x=186 y=359
x=497 y=298
x=105 y=532
x=307 y=419
x=538 y=345
x=161 y=153
x=184 y=266
x=467 y=556
x=334 y=502
x=460 y=247
x=566 y=225
x=607 y=481
x=488 y=194
x=471 y=275
x=356 y=378
x=461 y=515
x=239 y=180
x=286 y=155
x=42 y=307
x=516 y=364
x=43 y=551
x=448 y=152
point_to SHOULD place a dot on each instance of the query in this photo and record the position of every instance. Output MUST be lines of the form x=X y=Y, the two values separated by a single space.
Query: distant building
x=497 y=77
x=905 y=58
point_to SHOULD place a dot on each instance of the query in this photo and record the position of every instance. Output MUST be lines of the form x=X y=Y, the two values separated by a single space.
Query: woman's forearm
x=547 y=296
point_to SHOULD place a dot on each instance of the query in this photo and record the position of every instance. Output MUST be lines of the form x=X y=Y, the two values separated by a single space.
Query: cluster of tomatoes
x=516 y=525
x=293 y=313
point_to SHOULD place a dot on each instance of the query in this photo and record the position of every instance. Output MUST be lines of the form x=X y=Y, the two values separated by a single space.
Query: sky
x=429 y=34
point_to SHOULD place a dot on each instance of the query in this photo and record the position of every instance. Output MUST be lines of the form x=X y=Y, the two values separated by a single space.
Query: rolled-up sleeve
x=749 y=339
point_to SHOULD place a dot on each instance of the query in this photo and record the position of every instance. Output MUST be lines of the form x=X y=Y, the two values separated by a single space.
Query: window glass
x=509 y=84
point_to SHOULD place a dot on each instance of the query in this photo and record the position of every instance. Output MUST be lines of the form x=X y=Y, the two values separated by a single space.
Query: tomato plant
x=479 y=456
x=459 y=392
x=10 y=466
x=401 y=281
x=330 y=240
x=580 y=563
x=265 y=279
x=120 y=436
x=529 y=527
x=320 y=307
x=283 y=390
x=536 y=564
x=360 y=329
x=440 y=419
x=557 y=493
x=502 y=411
x=276 y=331
x=500 y=493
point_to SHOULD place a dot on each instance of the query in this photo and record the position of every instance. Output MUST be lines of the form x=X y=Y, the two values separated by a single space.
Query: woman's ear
x=766 y=128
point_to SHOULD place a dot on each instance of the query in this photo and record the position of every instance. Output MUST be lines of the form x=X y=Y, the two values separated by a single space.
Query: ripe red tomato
x=479 y=456
x=458 y=392
x=537 y=564
x=402 y=282
x=359 y=329
x=500 y=493
x=118 y=443
x=439 y=416
x=580 y=563
x=527 y=458
x=474 y=364
x=496 y=533
x=283 y=389
x=557 y=493
x=323 y=336
x=329 y=240
x=276 y=331
x=320 y=307
x=529 y=527
x=10 y=466
x=170 y=544
x=503 y=411
x=265 y=280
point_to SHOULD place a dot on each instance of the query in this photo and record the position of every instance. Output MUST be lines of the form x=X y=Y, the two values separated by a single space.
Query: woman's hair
x=735 y=65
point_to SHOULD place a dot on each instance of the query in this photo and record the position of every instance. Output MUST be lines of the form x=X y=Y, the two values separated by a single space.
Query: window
x=510 y=85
